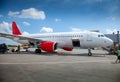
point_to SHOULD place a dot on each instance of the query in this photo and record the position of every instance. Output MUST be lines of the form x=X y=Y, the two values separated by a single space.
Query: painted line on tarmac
x=56 y=62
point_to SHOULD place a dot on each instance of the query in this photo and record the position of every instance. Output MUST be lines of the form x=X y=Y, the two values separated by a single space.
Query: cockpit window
x=100 y=35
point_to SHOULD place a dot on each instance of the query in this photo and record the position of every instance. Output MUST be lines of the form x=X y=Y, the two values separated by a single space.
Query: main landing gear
x=38 y=50
x=89 y=52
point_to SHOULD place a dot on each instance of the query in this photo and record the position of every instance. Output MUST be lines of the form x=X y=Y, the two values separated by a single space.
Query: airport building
x=116 y=40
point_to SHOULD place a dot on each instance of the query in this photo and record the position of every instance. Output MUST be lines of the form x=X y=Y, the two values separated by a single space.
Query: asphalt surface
x=59 y=67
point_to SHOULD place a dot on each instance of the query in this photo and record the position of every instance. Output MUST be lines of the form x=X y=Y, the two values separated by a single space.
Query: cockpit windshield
x=101 y=35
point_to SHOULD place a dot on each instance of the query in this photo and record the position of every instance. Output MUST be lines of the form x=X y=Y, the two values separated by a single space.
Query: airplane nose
x=109 y=42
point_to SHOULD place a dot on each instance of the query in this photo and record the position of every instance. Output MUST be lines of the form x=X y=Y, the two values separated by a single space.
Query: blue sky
x=36 y=16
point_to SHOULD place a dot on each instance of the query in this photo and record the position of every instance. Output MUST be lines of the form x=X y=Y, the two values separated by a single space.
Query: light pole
x=118 y=42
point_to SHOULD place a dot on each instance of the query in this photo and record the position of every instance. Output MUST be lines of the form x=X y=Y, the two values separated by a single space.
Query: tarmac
x=63 y=66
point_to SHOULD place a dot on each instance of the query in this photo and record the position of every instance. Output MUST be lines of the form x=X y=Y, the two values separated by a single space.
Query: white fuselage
x=73 y=39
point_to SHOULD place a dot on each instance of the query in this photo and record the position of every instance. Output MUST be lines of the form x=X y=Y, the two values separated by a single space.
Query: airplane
x=50 y=42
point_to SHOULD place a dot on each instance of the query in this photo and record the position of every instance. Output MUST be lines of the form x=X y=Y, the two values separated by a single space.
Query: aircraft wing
x=20 y=37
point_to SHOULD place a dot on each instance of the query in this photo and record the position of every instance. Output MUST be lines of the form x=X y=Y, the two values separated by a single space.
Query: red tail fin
x=15 y=29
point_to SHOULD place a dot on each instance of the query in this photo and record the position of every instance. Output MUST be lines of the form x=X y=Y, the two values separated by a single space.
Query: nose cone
x=109 y=42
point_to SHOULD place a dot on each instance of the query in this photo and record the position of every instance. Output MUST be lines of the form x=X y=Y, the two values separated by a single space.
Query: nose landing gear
x=89 y=52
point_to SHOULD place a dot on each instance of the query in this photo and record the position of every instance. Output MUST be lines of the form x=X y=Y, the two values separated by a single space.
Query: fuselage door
x=76 y=42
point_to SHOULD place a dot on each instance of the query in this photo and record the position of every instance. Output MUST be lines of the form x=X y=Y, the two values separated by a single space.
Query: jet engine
x=67 y=48
x=48 y=46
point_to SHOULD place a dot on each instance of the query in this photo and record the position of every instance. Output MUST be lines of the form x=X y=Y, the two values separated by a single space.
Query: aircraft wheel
x=89 y=54
x=38 y=51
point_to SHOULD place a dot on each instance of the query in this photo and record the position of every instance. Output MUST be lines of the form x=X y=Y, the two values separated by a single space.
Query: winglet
x=15 y=29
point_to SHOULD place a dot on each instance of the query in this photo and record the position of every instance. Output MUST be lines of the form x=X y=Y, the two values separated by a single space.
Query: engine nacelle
x=48 y=46
x=67 y=48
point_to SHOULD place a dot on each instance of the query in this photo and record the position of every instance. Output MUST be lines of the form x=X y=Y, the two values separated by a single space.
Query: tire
x=38 y=51
x=89 y=54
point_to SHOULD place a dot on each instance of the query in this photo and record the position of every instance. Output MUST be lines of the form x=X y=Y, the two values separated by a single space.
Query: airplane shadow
x=71 y=54
x=56 y=53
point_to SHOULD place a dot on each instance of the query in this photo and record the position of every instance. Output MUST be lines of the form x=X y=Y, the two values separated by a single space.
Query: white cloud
x=46 y=29
x=1 y=16
x=5 y=27
x=110 y=31
x=57 y=20
x=13 y=14
x=31 y=13
x=26 y=23
x=25 y=33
